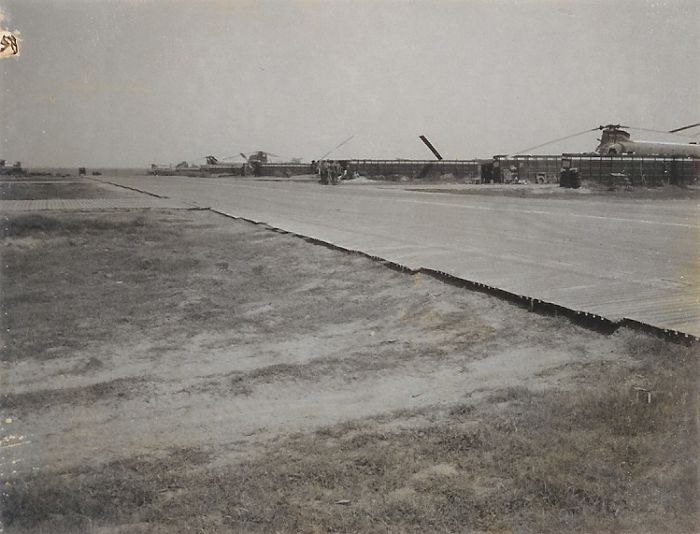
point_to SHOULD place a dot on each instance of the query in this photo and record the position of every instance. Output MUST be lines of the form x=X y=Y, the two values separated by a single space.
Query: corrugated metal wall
x=463 y=169
x=284 y=169
x=650 y=171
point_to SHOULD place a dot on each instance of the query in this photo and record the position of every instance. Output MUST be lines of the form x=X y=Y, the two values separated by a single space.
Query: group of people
x=330 y=171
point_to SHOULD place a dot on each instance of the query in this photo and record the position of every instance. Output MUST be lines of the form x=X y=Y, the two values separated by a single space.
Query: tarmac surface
x=623 y=259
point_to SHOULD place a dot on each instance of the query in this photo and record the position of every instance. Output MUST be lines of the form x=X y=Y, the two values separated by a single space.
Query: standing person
x=322 y=171
x=335 y=172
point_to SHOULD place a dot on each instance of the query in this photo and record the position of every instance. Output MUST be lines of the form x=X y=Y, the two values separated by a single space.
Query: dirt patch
x=353 y=366
x=178 y=370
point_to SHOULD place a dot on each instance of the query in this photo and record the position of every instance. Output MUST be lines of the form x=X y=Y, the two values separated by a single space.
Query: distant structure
x=15 y=169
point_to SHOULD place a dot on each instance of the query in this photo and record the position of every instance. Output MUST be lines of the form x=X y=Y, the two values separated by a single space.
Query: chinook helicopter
x=615 y=140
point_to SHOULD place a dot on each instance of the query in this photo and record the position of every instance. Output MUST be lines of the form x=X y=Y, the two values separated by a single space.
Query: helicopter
x=215 y=165
x=258 y=156
x=615 y=140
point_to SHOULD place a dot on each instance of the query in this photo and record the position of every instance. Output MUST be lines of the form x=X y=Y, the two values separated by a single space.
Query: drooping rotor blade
x=684 y=128
x=271 y=154
x=674 y=132
x=647 y=130
x=559 y=139
x=430 y=146
x=336 y=147
x=243 y=155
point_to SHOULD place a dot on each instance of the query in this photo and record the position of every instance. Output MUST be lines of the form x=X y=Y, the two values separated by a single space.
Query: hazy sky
x=127 y=83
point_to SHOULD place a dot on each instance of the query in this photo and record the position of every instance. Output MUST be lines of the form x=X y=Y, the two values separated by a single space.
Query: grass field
x=52 y=188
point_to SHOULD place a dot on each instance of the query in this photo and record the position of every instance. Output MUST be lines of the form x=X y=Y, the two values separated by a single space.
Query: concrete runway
x=619 y=259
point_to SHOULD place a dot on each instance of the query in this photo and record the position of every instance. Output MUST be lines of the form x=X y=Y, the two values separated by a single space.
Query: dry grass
x=598 y=459
x=59 y=279
x=33 y=191
x=30 y=224
x=75 y=501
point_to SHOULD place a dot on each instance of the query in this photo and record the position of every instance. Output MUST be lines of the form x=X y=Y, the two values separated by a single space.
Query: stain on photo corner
x=9 y=40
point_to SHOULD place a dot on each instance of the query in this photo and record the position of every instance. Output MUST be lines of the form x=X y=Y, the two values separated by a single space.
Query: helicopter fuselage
x=616 y=142
x=649 y=148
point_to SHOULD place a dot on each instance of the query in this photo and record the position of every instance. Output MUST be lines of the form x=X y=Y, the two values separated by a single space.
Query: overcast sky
x=127 y=83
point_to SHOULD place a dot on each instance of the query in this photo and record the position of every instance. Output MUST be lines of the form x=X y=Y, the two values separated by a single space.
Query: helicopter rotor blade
x=684 y=128
x=336 y=147
x=647 y=129
x=430 y=147
x=560 y=139
x=674 y=132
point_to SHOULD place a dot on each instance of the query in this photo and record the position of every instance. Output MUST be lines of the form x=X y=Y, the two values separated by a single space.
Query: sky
x=124 y=83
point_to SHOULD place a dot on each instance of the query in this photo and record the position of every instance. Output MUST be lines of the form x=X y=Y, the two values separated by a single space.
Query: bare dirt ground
x=178 y=371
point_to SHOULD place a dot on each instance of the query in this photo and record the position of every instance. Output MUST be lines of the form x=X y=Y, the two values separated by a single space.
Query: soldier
x=323 y=171
x=334 y=172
